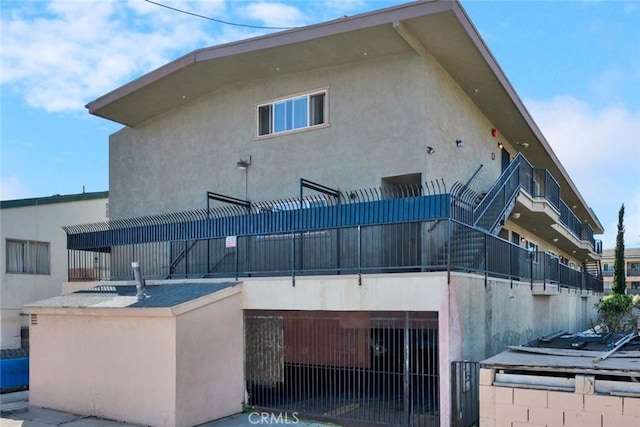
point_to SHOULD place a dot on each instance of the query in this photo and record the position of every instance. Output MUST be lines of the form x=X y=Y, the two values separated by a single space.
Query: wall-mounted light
x=243 y=164
x=430 y=150
x=555 y=239
x=459 y=143
x=522 y=239
x=525 y=145
x=516 y=215
x=500 y=145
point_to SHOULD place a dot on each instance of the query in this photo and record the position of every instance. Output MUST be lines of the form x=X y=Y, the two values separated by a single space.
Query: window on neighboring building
x=635 y=285
x=635 y=266
x=607 y=267
x=28 y=257
x=293 y=113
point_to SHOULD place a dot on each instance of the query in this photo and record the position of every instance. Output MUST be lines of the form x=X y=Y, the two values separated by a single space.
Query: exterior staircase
x=491 y=212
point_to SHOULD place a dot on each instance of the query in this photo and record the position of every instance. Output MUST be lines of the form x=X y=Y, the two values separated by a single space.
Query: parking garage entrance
x=354 y=367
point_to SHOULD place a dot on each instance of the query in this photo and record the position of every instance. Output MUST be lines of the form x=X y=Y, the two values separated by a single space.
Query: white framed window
x=28 y=257
x=302 y=111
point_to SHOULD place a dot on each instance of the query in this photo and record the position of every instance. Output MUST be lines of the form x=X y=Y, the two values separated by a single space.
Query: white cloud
x=599 y=149
x=275 y=14
x=12 y=188
x=69 y=52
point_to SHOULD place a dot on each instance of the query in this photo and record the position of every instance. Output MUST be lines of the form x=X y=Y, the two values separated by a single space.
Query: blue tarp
x=14 y=373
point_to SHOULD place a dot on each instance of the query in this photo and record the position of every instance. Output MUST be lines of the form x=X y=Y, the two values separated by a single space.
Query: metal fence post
x=293 y=258
x=448 y=250
x=359 y=255
x=486 y=261
x=407 y=394
x=237 y=261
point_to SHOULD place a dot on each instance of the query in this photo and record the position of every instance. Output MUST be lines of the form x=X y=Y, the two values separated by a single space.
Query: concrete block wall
x=502 y=406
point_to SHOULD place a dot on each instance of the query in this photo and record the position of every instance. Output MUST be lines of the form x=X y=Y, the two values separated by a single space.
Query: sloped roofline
x=108 y=105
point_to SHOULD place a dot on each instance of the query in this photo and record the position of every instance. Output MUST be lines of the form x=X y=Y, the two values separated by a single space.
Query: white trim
x=307 y=94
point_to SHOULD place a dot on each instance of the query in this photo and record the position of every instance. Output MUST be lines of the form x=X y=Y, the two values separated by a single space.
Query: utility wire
x=218 y=20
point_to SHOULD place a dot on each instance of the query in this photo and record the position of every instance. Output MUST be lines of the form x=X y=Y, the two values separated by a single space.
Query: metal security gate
x=465 y=399
x=351 y=367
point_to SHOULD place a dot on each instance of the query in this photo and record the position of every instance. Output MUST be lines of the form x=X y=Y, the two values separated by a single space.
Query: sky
x=574 y=64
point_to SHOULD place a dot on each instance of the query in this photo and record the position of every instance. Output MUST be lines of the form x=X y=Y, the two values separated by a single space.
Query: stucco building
x=631 y=268
x=33 y=252
x=377 y=189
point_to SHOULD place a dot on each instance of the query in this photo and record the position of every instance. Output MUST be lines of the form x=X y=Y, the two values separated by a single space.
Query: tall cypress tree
x=619 y=274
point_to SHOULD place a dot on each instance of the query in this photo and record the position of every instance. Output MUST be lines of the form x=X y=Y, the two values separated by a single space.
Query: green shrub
x=615 y=313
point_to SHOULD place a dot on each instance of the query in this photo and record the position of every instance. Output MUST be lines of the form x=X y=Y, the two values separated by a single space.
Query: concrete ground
x=16 y=412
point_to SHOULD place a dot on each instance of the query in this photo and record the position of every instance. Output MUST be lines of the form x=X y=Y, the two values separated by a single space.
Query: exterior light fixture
x=243 y=164
x=430 y=150
x=525 y=145
x=494 y=132
x=459 y=143
x=555 y=239
x=516 y=215
x=500 y=145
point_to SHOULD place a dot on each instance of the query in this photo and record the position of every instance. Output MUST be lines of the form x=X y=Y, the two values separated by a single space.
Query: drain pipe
x=139 y=281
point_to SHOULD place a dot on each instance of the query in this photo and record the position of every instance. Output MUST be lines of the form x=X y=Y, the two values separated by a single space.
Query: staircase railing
x=180 y=257
x=501 y=194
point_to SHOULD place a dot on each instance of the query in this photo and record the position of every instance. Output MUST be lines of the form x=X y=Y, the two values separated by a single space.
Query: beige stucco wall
x=210 y=362
x=114 y=366
x=180 y=366
x=40 y=223
x=383 y=114
x=507 y=313
x=517 y=406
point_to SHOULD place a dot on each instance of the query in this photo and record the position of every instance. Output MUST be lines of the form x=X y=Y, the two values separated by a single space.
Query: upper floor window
x=607 y=267
x=299 y=112
x=28 y=257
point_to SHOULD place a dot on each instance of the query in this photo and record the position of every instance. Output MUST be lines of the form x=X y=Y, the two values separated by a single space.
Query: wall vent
x=33 y=319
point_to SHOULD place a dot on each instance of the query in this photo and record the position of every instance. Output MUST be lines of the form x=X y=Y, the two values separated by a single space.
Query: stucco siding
x=210 y=371
x=502 y=314
x=383 y=114
x=121 y=368
x=41 y=223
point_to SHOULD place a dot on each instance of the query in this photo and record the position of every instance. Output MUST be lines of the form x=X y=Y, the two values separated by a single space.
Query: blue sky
x=575 y=64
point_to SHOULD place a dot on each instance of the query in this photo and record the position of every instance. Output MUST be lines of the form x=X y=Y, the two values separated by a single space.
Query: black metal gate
x=465 y=398
x=355 y=367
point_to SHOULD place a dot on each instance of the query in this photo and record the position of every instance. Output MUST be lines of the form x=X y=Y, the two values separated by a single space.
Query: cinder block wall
x=518 y=407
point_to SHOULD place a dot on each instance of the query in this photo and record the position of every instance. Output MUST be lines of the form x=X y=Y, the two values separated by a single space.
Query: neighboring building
x=631 y=268
x=33 y=252
x=563 y=380
x=243 y=161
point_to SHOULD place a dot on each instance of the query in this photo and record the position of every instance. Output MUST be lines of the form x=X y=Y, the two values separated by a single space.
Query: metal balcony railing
x=410 y=228
x=311 y=248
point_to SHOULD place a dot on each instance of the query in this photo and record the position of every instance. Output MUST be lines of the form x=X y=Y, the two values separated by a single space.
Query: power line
x=218 y=20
